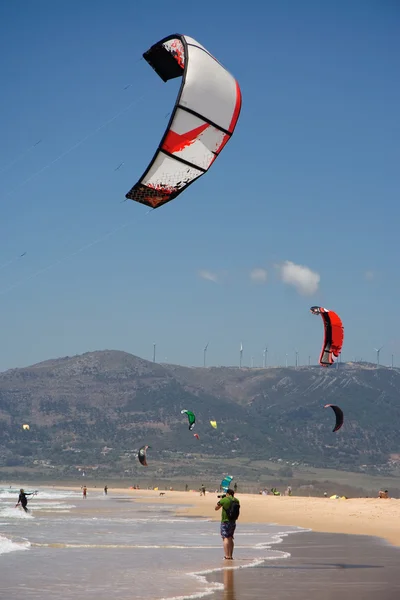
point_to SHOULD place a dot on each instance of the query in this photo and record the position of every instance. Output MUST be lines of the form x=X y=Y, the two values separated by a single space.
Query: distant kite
x=142 y=455
x=196 y=435
x=225 y=483
x=25 y=427
x=213 y=424
x=339 y=416
x=191 y=418
x=334 y=334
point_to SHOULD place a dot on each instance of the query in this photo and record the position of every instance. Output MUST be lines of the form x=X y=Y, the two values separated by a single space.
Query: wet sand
x=321 y=566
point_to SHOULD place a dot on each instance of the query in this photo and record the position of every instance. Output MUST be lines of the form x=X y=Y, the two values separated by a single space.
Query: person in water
x=105 y=489
x=23 y=500
x=84 y=492
x=227 y=527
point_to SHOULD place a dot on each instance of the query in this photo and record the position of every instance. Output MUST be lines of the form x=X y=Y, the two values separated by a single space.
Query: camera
x=222 y=496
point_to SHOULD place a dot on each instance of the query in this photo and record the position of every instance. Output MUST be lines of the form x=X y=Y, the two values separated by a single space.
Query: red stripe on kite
x=237 y=108
x=175 y=142
x=232 y=125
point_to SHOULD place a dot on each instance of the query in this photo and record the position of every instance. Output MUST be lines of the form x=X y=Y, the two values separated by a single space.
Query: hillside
x=97 y=409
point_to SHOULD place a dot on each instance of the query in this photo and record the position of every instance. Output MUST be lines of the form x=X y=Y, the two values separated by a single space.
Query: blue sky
x=311 y=176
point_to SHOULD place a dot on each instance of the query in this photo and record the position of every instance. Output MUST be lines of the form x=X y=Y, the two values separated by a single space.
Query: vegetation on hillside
x=92 y=412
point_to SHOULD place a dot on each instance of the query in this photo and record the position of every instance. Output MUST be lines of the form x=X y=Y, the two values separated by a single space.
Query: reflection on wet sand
x=229 y=584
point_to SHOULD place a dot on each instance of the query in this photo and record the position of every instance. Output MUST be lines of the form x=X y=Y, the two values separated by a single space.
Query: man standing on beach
x=230 y=512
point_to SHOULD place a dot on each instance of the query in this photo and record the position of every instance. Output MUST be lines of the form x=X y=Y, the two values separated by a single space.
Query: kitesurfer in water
x=227 y=526
x=23 y=500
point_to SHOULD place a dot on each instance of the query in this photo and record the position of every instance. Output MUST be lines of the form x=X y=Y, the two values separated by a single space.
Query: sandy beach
x=137 y=540
x=358 y=516
x=355 y=516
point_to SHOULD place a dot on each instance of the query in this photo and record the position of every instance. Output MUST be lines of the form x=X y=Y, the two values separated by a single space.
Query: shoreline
x=320 y=565
x=285 y=561
x=372 y=517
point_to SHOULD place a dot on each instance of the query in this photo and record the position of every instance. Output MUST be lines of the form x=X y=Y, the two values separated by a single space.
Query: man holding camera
x=230 y=512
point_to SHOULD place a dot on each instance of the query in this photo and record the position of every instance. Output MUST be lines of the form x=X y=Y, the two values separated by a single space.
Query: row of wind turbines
x=265 y=357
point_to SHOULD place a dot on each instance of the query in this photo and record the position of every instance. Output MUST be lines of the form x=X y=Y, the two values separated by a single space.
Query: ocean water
x=106 y=547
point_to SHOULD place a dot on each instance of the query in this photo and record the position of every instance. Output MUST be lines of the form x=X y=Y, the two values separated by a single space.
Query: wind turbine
x=378 y=351
x=286 y=360
x=240 y=355
x=265 y=353
x=154 y=352
x=204 y=354
x=297 y=358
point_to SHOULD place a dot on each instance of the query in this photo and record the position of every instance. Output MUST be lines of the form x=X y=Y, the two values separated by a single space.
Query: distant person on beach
x=105 y=489
x=84 y=492
x=203 y=490
x=384 y=494
x=235 y=487
x=230 y=512
x=23 y=500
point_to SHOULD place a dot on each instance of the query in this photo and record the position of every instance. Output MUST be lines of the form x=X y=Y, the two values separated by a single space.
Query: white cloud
x=208 y=275
x=369 y=275
x=258 y=275
x=302 y=278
